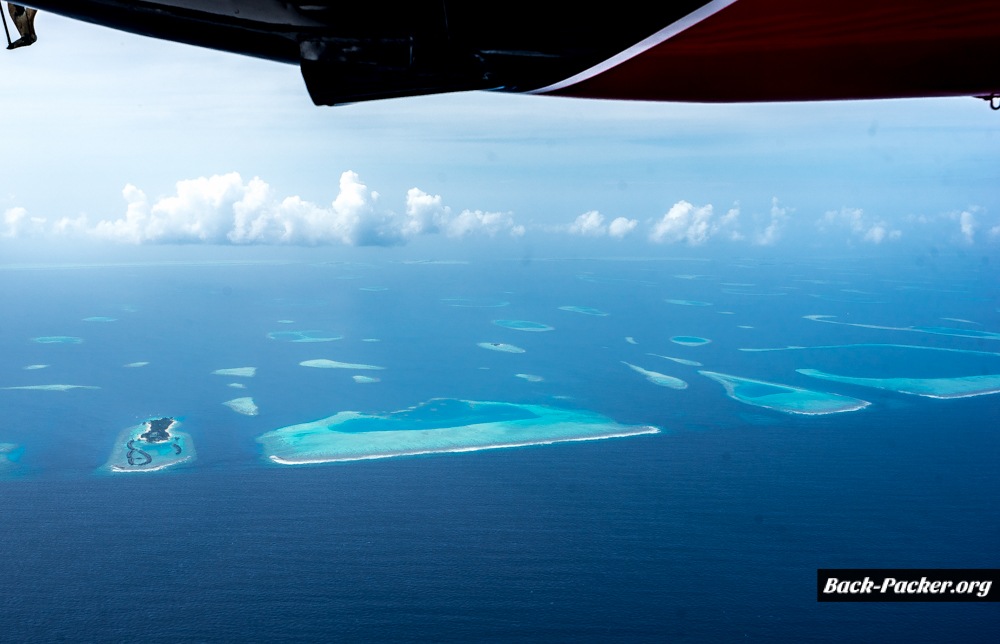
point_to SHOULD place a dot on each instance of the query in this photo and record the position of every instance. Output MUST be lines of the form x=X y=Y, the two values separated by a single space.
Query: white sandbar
x=323 y=363
x=658 y=378
x=245 y=406
x=689 y=340
x=239 y=372
x=364 y=380
x=33 y=367
x=684 y=361
x=135 y=365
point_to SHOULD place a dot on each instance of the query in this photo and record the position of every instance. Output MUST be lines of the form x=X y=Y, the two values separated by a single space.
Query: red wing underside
x=778 y=50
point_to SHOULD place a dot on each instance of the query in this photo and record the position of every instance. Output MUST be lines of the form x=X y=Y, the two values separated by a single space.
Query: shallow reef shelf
x=437 y=426
x=784 y=398
x=959 y=387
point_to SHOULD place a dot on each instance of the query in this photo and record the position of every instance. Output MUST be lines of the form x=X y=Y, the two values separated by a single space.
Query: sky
x=118 y=142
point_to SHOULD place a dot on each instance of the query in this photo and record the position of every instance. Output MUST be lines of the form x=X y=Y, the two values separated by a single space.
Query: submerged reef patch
x=303 y=336
x=523 y=325
x=586 y=310
x=10 y=453
x=500 y=346
x=474 y=303
x=57 y=339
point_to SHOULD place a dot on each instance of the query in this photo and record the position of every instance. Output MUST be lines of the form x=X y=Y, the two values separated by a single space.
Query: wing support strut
x=5 y=29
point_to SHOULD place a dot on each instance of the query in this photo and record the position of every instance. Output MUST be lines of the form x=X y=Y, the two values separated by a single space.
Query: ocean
x=711 y=529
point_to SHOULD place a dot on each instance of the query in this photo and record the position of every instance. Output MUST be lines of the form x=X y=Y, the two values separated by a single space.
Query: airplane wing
x=681 y=50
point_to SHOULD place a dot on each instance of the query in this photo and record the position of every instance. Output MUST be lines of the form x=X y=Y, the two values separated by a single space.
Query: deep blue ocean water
x=711 y=530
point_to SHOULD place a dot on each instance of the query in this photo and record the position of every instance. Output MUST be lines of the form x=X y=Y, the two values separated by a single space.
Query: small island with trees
x=152 y=445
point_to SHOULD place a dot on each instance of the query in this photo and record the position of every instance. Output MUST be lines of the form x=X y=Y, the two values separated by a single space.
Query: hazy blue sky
x=113 y=136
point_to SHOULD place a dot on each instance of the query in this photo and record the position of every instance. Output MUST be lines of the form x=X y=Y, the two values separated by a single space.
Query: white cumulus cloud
x=771 y=232
x=694 y=225
x=683 y=222
x=967 y=224
x=621 y=226
x=859 y=226
x=225 y=209
x=425 y=213
x=17 y=223
x=470 y=222
x=591 y=224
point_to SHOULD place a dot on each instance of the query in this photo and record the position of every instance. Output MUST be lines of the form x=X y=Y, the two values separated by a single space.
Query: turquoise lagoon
x=439 y=425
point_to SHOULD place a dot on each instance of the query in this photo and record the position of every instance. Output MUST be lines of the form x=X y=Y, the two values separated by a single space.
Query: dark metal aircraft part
x=682 y=50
